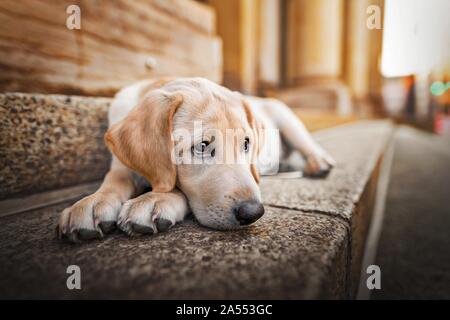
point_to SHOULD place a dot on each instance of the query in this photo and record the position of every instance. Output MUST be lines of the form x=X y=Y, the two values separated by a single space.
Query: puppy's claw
x=86 y=234
x=163 y=224
x=107 y=226
x=58 y=232
x=331 y=161
x=319 y=165
x=89 y=218
x=72 y=237
x=139 y=228
x=320 y=174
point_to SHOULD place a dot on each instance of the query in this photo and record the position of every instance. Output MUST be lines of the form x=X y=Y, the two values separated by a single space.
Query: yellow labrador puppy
x=173 y=134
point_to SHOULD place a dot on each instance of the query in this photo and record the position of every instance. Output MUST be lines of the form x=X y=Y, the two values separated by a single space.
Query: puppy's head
x=200 y=137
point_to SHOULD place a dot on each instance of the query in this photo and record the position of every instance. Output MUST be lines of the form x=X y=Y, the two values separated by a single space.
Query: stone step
x=309 y=244
x=50 y=141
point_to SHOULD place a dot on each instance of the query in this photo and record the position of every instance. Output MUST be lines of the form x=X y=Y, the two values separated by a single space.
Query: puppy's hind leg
x=294 y=133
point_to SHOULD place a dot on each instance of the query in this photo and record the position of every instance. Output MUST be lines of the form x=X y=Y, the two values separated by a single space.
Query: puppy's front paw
x=90 y=218
x=150 y=213
x=319 y=164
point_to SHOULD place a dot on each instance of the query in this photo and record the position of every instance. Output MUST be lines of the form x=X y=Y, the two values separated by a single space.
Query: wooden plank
x=356 y=49
x=249 y=47
x=270 y=43
x=314 y=39
x=362 y=52
x=38 y=52
x=237 y=25
x=195 y=13
x=230 y=33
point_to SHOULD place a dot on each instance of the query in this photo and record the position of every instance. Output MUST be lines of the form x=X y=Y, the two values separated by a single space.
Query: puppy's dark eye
x=247 y=144
x=199 y=148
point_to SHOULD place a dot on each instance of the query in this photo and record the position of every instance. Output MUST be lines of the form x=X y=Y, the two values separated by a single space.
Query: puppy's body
x=142 y=120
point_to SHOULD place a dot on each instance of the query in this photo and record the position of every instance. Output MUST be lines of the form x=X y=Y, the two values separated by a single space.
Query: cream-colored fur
x=143 y=118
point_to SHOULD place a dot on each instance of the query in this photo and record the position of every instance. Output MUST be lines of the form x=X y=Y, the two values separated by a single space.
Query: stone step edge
x=47 y=198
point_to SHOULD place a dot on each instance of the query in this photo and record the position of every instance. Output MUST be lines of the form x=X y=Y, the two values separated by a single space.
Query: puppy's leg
x=153 y=212
x=318 y=161
x=95 y=215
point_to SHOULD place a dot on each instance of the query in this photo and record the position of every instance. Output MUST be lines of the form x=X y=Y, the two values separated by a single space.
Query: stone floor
x=301 y=248
x=283 y=252
x=414 y=247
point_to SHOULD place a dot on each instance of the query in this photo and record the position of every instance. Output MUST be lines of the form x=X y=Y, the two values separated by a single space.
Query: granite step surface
x=50 y=141
x=309 y=244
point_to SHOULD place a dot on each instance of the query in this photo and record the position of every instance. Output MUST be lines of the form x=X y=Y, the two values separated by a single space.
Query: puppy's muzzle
x=248 y=212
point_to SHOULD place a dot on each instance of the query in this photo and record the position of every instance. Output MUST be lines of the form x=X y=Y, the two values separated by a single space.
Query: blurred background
x=333 y=61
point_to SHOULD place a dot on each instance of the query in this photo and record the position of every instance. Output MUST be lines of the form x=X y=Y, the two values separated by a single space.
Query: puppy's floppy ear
x=257 y=139
x=143 y=139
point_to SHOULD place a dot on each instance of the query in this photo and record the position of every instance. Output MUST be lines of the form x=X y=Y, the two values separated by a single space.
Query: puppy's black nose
x=249 y=211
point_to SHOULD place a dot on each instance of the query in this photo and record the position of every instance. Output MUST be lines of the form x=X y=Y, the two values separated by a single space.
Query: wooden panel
x=230 y=33
x=314 y=39
x=39 y=54
x=237 y=25
x=249 y=47
x=375 y=76
x=270 y=42
x=357 y=36
x=362 y=51
x=193 y=12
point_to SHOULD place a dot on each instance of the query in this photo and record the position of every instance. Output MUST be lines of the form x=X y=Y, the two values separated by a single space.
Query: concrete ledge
x=288 y=254
x=308 y=245
x=348 y=193
x=55 y=141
